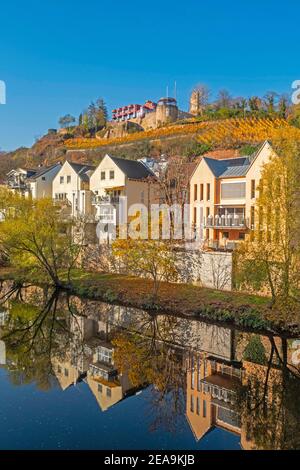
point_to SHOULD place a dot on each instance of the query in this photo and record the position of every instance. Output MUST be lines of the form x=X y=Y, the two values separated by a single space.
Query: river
x=82 y=374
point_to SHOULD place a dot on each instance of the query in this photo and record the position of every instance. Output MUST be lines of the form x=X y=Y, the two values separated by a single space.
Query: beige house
x=71 y=187
x=222 y=197
x=117 y=184
x=212 y=386
x=106 y=383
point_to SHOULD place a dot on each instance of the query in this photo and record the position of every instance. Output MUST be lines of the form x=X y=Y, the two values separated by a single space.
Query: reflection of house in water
x=90 y=358
x=211 y=394
x=107 y=384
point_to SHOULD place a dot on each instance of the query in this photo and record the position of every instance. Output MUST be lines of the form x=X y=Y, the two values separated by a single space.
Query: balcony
x=98 y=200
x=234 y=222
x=103 y=371
x=17 y=185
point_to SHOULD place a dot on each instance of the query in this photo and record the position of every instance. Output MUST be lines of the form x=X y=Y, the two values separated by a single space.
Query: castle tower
x=195 y=107
x=166 y=111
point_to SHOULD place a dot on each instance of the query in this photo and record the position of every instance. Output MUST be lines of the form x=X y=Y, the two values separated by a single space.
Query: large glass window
x=233 y=190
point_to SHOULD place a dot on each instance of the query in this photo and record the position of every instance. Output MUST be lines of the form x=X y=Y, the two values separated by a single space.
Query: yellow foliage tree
x=34 y=238
x=270 y=258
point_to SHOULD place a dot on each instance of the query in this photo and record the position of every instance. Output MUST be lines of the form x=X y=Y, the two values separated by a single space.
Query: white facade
x=40 y=186
x=71 y=186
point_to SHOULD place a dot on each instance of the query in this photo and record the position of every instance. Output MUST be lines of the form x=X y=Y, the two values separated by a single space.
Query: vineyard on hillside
x=222 y=133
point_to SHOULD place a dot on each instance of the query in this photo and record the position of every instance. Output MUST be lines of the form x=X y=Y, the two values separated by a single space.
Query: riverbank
x=238 y=309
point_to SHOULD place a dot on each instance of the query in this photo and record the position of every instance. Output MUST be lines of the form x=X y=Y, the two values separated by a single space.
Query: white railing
x=226 y=221
x=105 y=199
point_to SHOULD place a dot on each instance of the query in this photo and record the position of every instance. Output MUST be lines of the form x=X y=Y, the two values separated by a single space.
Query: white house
x=40 y=184
x=71 y=186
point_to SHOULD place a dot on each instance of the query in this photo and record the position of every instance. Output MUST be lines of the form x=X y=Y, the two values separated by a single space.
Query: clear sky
x=58 y=55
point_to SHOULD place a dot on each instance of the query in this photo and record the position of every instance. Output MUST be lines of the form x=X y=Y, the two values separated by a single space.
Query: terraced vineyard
x=222 y=133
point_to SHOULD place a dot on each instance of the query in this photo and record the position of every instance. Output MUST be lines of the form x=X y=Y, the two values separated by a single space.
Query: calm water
x=79 y=374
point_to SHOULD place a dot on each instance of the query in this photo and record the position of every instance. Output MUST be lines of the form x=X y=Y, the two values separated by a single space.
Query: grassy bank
x=239 y=309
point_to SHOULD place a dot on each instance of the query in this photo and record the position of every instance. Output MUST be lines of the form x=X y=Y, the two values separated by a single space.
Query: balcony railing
x=105 y=200
x=19 y=185
x=226 y=221
x=221 y=245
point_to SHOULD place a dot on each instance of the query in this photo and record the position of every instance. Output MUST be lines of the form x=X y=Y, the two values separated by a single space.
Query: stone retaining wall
x=208 y=269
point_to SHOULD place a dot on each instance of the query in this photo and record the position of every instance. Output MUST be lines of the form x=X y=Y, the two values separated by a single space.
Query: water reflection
x=214 y=377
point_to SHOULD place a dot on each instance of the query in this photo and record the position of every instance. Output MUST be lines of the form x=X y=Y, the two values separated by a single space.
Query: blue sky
x=57 y=56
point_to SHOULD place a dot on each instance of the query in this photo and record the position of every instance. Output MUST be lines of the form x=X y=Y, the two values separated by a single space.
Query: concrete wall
x=207 y=269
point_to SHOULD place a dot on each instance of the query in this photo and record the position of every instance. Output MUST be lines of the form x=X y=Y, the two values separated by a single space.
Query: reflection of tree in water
x=270 y=401
x=148 y=357
x=33 y=336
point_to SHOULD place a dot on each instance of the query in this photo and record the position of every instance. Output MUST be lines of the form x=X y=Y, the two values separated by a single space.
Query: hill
x=189 y=138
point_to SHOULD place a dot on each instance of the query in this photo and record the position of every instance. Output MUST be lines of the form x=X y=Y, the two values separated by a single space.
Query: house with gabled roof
x=40 y=184
x=71 y=187
x=36 y=183
x=223 y=193
x=118 y=182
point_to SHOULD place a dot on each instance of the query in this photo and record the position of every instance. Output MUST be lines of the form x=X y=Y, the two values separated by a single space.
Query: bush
x=255 y=351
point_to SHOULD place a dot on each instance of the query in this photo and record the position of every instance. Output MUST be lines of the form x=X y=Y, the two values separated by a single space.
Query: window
x=111 y=174
x=204 y=408
x=233 y=190
x=207 y=211
x=66 y=373
x=104 y=355
x=100 y=388
x=192 y=404
x=208 y=192
x=61 y=180
x=59 y=369
x=195 y=192
x=102 y=175
x=201 y=192
x=226 y=235
x=192 y=380
x=108 y=392
x=198 y=406
x=68 y=179
x=252 y=215
x=241 y=236
x=252 y=189
x=43 y=178
x=195 y=215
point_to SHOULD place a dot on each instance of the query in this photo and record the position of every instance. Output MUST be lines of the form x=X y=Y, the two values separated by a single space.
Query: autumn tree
x=154 y=259
x=35 y=239
x=224 y=99
x=270 y=258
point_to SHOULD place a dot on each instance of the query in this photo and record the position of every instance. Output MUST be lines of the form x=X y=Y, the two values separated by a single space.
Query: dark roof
x=228 y=168
x=132 y=169
x=82 y=170
x=42 y=171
